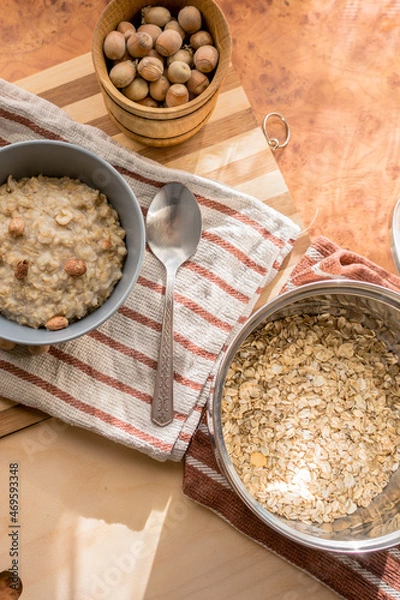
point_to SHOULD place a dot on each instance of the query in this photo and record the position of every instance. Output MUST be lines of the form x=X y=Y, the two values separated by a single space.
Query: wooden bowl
x=160 y=126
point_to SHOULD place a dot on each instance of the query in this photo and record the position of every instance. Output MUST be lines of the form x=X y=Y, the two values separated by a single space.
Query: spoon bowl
x=173 y=227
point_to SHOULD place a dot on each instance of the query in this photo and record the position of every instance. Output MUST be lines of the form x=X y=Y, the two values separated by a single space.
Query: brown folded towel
x=373 y=576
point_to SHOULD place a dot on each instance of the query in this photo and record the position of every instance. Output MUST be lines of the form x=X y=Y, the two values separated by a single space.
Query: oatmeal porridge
x=62 y=247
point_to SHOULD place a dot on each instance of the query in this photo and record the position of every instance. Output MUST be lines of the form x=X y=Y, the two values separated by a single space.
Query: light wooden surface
x=100 y=522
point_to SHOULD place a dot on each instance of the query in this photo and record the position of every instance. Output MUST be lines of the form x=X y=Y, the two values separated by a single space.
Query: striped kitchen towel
x=374 y=576
x=104 y=381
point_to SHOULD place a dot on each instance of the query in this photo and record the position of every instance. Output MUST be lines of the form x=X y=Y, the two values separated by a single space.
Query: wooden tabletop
x=331 y=70
x=329 y=67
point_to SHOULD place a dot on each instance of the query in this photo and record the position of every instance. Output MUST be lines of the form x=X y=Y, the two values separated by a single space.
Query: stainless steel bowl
x=377 y=526
x=56 y=159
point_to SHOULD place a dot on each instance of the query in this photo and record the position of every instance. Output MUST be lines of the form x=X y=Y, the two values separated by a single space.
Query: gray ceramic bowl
x=53 y=158
x=372 y=528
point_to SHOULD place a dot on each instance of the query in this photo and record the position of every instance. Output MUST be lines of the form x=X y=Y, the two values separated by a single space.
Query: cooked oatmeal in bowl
x=62 y=250
x=72 y=238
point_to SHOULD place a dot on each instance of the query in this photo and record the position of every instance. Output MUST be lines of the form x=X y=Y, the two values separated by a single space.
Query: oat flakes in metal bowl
x=311 y=415
x=304 y=415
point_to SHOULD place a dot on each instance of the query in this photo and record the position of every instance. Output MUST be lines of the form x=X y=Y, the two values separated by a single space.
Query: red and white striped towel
x=374 y=576
x=104 y=381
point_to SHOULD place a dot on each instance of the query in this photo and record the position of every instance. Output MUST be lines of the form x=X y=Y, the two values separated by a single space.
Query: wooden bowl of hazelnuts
x=160 y=66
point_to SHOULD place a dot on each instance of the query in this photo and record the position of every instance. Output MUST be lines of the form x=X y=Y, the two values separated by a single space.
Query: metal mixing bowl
x=377 y=526
x=58 y=159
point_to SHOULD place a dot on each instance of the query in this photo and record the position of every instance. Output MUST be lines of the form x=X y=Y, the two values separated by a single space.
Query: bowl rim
x=20 y=334
x=371 y=290
x=163 y=113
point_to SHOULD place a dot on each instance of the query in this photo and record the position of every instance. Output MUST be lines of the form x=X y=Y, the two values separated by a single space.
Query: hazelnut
x=106 y=244
x=126 y=28
x=206 y=58
x=184 y=55
x=150 y=68
x=197 y=83
x=57 y=322
x=114 y=45
x=168 y=42
x=34 y=350
x=21 y=270
x=149 y=102
x=123 y=73
x=75 y=267
x=157 y=15
x=153 y=52
x=179 y=72
x=201 y=38
x=177 y=95
x=189 y=18
x=173 y=24
x=139 y=44
x=137 y=90
x=159 y=88
x=6 y=345
x=153 y=30
x=16 y=226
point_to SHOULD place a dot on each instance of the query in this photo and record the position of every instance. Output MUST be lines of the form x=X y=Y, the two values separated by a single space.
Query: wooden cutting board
x=231 y=149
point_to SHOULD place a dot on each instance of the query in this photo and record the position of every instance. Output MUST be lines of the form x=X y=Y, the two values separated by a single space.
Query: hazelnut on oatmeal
x=55 y=267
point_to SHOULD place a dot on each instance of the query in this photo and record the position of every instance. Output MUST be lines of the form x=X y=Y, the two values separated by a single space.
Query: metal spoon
x=173 y=226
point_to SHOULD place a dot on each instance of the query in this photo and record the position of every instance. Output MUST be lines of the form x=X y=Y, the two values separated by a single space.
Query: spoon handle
x=162 y=408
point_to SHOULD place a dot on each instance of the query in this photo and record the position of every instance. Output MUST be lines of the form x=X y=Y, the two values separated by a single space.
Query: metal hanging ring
x=274 y=142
